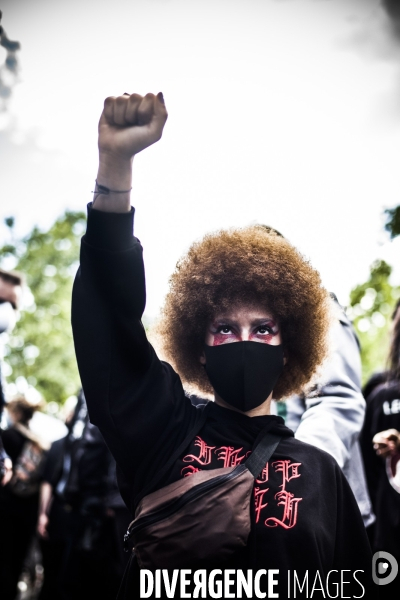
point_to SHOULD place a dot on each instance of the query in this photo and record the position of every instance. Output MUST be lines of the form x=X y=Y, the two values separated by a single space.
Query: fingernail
x=161 y=97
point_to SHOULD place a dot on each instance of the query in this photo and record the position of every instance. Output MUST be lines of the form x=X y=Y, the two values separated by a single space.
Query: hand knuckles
x=135 y=98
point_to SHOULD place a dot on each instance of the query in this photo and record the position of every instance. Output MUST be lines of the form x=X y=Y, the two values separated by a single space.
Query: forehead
x=244 y=312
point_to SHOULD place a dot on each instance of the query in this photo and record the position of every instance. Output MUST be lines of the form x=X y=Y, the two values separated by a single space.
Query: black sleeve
x=3 y=456
x=136 y=400
x=13 y=442
x=2 y=403
x=53 y=463
x=372 y=462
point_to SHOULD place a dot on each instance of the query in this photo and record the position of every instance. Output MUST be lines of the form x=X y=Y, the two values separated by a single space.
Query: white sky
x=285 y=112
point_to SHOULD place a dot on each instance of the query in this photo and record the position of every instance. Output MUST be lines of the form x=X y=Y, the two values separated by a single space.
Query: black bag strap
x=264 y=448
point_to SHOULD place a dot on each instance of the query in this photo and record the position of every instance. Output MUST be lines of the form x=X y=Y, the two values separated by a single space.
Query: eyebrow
x=230 y=321
x=265 y=320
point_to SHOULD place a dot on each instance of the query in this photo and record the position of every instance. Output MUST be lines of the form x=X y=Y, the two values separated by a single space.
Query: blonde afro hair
x=249 y=265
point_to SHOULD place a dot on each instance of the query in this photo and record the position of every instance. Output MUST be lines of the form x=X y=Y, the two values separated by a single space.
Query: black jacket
x=305 y=517
x=383 y=412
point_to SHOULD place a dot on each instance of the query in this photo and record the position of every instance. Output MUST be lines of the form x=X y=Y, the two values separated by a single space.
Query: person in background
x=10 y=293
x=5 y=466
x=52 y=543
x=19 y=498
x=53 y=540
x=82 y=518
x=373 y=382
x=380 y=443
x=332 y=416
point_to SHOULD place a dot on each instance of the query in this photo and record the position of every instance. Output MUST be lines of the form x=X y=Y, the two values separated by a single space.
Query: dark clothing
x=82 y=556
x=85 y=468
x=13 y=441
x=53 y=560
x=375 y=380
x=304 y=513
x=383 y=412
x=2 y=396
x=59 y=530
x=11 y=504
x=53 y=465
x=3 y=454
x=18 y=518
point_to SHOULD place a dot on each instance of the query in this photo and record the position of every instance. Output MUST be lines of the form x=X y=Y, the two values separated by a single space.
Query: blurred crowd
x=62 y=518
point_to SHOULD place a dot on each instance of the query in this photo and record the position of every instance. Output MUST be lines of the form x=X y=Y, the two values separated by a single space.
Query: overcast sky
x=285 y=112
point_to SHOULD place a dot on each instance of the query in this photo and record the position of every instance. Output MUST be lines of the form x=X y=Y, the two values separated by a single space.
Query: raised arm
x=136 y=400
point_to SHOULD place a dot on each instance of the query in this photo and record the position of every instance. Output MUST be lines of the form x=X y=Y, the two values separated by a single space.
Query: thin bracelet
x=105 y=191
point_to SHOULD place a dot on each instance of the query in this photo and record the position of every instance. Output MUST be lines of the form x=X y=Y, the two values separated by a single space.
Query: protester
x=10 y=293
x=53 y=546
x=5 y=466
x=331 y=416
x=380 y=442
x=5 y=460
x=81 y=549
x=373 y=382
x=245 y=316
x=19 y=498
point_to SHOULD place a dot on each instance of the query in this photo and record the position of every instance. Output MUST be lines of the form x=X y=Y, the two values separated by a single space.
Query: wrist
x=114 y=172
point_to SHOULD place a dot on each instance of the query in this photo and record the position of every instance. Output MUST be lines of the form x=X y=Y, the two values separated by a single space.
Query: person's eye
x=224 y=329
x=265 y=330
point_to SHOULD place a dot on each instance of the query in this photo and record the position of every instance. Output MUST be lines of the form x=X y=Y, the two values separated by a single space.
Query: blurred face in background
x=10 y=295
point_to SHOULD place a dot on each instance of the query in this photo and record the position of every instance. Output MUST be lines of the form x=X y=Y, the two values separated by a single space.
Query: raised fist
x=130 y=123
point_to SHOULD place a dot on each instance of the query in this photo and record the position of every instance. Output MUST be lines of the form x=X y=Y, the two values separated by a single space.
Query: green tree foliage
x=40 y=348
x=371 y=307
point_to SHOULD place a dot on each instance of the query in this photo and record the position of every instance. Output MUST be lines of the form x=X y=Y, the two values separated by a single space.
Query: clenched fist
x=130 y=123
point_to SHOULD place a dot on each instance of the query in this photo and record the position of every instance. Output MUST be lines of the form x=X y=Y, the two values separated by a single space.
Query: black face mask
x=244 y=373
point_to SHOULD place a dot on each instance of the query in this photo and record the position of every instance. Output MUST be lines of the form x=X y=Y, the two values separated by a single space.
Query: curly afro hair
x=253 y=265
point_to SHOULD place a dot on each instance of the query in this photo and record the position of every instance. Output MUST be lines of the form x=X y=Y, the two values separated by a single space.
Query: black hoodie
x=305 y=517
x=383 y=412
